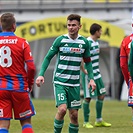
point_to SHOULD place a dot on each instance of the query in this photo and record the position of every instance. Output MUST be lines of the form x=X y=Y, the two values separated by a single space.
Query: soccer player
x=70 y=49
x=95 y=31
x=124 y=57
x=16 y=77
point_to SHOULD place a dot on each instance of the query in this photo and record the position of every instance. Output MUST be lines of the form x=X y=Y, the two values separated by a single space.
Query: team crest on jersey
x=80 y=46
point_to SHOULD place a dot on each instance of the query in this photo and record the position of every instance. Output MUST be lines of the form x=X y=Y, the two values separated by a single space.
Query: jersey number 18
x=5 y=56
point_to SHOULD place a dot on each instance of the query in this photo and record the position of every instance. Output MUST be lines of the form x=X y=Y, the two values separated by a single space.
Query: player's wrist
x=91 y=80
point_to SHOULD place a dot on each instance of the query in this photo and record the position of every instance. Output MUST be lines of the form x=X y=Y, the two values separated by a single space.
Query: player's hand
x=39 y=81
x=129 y=82
x=30 y=88
x=92 y=85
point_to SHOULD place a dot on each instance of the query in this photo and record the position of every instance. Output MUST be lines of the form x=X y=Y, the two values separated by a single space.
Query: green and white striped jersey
x=69 y=55
x=94 y=51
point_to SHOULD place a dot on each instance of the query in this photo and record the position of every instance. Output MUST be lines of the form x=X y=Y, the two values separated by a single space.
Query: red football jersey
x=124 y=53
x=15 y=53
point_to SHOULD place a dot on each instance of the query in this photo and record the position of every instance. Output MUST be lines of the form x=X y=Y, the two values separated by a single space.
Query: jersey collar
x=7 y=34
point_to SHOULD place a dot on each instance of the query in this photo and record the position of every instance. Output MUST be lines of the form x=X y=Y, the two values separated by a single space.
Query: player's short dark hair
x=94 y=27
x=74 y=17
x=7 y=20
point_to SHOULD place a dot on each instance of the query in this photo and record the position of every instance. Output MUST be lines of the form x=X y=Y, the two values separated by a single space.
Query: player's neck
x=7 y=31
x=94 y=37
x=73 y=36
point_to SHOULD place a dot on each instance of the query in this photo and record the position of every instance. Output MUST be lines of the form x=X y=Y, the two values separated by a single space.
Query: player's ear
x=80 y=26
x=14 y=27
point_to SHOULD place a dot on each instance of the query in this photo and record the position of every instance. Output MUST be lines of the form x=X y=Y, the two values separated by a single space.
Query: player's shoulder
x=82 y=39
x=20 y=39
x=89 y=39
x=59 y=38
x=127 y=41
x=128 y=38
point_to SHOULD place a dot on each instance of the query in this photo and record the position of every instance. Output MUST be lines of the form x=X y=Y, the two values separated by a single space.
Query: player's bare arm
x=83 y=68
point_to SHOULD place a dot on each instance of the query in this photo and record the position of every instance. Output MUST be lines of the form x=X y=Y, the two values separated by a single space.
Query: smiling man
x=70 y=49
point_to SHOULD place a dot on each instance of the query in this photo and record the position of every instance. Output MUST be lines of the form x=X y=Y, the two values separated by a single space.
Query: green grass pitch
x=115 y=112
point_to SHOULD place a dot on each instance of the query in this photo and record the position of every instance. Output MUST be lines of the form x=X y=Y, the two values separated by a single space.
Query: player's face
x=73 y=27
x=99 y=33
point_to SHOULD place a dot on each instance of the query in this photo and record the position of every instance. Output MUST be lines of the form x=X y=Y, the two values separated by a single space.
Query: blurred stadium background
x=35 y=17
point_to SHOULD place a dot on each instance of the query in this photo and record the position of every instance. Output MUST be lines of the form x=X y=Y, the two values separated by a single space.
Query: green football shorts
x=100 y=89
x=67 y=95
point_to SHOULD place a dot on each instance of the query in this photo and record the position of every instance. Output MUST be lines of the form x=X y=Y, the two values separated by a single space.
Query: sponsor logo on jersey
x=75 y=103
x=71 y=50
x=102 y=90
x=25 y=113
x=130 y=100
